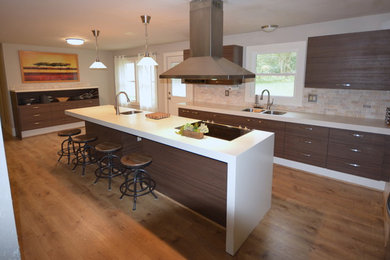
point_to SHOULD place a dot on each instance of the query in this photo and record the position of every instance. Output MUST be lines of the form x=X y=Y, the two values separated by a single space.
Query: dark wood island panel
x=198 y=182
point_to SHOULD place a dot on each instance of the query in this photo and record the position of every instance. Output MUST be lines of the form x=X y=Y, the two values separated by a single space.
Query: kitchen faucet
x=116 y=101
x=268 y=99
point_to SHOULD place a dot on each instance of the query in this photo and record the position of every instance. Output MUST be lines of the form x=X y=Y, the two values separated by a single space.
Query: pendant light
x=146 y=60
x=97 y=64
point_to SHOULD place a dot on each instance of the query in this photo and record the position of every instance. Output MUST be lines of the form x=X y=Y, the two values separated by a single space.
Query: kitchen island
x=229 y=182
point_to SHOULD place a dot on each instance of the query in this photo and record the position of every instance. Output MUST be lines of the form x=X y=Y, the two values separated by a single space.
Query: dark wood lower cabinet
x=195 y=181
x=40 y=115
x=355 y=167
x=354 y=152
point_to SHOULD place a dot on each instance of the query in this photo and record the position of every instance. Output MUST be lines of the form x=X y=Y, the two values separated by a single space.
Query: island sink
x=131 y=112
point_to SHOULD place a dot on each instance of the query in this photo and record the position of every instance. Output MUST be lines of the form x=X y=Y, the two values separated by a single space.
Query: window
x=278 y=68
x=139 y=83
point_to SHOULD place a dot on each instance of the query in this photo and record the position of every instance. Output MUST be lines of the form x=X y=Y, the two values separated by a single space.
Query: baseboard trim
x=51 y=129
x=373 y=184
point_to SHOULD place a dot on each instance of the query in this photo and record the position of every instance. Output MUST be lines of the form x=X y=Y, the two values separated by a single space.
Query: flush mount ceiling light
x=74 y=41
x=269 y=27
x=146 y=60
x=97 y=64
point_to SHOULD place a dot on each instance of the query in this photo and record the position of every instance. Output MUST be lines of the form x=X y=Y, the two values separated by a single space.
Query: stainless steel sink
x=263 y=111
x=255 y=110
x=131 y=112
x=274 y=112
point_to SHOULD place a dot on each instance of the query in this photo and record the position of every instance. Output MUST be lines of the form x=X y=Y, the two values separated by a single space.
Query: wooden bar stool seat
x=106 y=166
x=85 y=152
x=137 y=180
x=67 y=146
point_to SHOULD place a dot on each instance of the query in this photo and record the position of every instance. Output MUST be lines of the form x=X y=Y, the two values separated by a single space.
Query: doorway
x=177 y=92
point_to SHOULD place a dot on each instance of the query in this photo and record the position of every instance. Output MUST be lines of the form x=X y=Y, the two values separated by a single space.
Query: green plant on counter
x=202 y=128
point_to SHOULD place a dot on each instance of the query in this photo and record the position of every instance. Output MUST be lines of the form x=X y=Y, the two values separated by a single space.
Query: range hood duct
x=206 y=46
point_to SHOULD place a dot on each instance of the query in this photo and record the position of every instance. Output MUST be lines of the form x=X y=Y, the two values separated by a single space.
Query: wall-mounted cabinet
x=349 y=61
x=39 y=109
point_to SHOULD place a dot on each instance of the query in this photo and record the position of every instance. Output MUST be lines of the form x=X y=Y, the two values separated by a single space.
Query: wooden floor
x=61 y=215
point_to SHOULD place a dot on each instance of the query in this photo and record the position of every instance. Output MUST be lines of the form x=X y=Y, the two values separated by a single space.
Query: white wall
x=104 y=79
x=9 y=246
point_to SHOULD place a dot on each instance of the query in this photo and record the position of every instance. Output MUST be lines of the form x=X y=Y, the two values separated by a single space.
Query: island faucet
x=268 y=99
x=116 y=101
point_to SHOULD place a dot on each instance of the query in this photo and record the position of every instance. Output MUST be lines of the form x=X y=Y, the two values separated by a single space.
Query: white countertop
x=349 y=123
x=163 y=131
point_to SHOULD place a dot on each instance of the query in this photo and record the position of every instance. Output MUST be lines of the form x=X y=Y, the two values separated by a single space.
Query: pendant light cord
x=96 y=33
x=146 y=39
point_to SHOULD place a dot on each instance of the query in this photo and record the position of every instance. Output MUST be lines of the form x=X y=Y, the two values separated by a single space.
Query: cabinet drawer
x=386 y=172
x=307 y=145
x=305 y=157
x=29 y=110
x=35 y=124
x=357 y=152
x=37 y=115
x=355 y=167
x=195 y=114
x=355 y=137
x=307 y=130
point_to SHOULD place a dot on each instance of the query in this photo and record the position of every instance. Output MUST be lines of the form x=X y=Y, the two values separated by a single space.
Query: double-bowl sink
x=264 y=111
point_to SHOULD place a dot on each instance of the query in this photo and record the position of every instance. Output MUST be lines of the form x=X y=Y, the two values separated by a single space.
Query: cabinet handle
x=35 y=107
x=354 y=165
x=36 y=115
x=306 y=154
x=309 y=128
x=260 y=121
x=248 y=120
x=195 y=113
x=358 y=135
x=343 y=85
x=307 y=142
x=355 y=150
x=36 y=123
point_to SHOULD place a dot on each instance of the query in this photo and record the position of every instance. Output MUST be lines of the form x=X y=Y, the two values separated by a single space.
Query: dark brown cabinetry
x=306 y=143
x=386 y=160
x=39 y=115
x=354 y=152
x=358 y=153
x=349 y=61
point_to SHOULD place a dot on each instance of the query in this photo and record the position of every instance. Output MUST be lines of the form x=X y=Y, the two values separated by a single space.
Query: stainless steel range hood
x=206 y=45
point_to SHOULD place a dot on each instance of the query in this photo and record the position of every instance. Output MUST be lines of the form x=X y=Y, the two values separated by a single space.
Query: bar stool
x=68 y=142
x=84 y=153
x=106 y=168
x=140 y=182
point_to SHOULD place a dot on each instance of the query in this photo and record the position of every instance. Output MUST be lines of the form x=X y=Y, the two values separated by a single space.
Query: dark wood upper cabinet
x=349 y=61
x=233 y=53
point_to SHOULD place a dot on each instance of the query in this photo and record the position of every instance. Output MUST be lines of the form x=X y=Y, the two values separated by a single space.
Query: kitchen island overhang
x=248 y=159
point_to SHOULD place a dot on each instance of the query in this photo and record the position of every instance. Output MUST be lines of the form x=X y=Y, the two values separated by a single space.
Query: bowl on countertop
x=62 y=99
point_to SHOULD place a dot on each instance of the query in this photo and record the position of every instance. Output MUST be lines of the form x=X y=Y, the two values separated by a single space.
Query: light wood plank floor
x=61 y=215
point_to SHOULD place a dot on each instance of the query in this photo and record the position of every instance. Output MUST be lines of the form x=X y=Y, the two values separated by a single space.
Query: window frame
x=135 y=60
x=251 y=60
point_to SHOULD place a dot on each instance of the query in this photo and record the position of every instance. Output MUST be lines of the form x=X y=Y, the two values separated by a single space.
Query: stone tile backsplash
x=342 y=102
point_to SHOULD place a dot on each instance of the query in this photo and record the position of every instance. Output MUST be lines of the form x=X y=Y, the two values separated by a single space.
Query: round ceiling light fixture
x=74 y=41
x=269 y=27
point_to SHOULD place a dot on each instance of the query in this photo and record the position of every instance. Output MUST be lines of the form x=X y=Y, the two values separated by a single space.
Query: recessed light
x=269 y=27
x=74 y=41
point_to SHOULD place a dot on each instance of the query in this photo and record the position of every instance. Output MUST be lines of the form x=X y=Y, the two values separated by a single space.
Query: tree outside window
x=276 y=72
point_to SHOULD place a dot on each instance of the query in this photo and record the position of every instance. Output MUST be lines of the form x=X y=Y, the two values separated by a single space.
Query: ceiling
x=49 y=22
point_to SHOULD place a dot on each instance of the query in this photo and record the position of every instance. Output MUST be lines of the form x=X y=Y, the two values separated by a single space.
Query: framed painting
x=48 y=67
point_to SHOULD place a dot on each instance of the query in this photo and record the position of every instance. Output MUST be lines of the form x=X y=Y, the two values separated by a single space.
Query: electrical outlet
x=312 y=98
x=227 y=92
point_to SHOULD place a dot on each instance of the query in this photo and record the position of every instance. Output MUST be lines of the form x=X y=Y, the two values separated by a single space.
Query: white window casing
x=300 y=49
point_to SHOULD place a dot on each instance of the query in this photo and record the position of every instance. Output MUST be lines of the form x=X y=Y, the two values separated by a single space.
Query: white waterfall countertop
x=249 y=161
